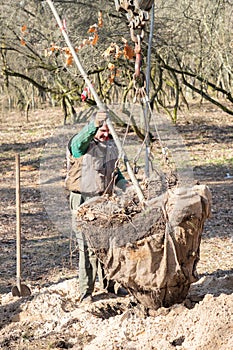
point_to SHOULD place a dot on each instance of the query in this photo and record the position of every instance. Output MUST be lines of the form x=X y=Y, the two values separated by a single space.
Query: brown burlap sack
x=151 y=252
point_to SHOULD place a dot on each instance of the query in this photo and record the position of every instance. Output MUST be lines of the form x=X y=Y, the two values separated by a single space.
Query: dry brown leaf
x=54 y=47
x=24 y=28
x=69 y=60
x=95 y=39
x=111 y=78
x=128 y=52
x=92 y=28
x=23 y=42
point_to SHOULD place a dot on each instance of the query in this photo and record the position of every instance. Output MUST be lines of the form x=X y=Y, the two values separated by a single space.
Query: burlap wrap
x=151 y=252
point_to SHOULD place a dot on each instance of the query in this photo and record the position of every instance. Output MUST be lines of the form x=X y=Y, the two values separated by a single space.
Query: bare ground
x=51 y=318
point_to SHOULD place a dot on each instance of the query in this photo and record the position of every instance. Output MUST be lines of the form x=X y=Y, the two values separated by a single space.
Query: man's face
x=102 y=133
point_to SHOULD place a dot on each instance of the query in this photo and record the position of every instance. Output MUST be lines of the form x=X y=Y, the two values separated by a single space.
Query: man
x=92 y=171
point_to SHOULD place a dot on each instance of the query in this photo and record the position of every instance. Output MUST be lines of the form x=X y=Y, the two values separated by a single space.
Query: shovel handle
x=18 y=219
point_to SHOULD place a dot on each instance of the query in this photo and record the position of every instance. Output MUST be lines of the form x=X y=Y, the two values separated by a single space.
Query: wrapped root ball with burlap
x=151 y=251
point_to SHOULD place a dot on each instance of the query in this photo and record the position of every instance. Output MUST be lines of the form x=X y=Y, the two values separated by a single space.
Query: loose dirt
x=52 y=318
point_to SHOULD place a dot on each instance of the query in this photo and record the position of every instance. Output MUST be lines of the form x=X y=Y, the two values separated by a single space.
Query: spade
x=20 y=289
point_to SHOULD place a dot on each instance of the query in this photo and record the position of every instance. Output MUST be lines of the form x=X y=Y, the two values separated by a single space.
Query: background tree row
x=192 y=54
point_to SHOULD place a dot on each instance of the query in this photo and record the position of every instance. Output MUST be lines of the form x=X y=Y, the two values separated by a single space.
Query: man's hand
x=100 y=118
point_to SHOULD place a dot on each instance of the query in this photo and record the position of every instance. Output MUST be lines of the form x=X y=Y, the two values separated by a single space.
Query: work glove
x=100 y=118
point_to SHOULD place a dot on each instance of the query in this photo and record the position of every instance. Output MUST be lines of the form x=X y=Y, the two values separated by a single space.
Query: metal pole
x=147 y=128
x=149 y=50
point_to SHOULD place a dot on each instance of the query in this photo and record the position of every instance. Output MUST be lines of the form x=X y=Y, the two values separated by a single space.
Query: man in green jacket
x=92 y=171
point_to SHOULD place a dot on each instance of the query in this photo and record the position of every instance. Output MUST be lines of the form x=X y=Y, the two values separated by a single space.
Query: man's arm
x=80 y=142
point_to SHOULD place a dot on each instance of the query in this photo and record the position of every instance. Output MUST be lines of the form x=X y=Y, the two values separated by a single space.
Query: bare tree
x=191 y=53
